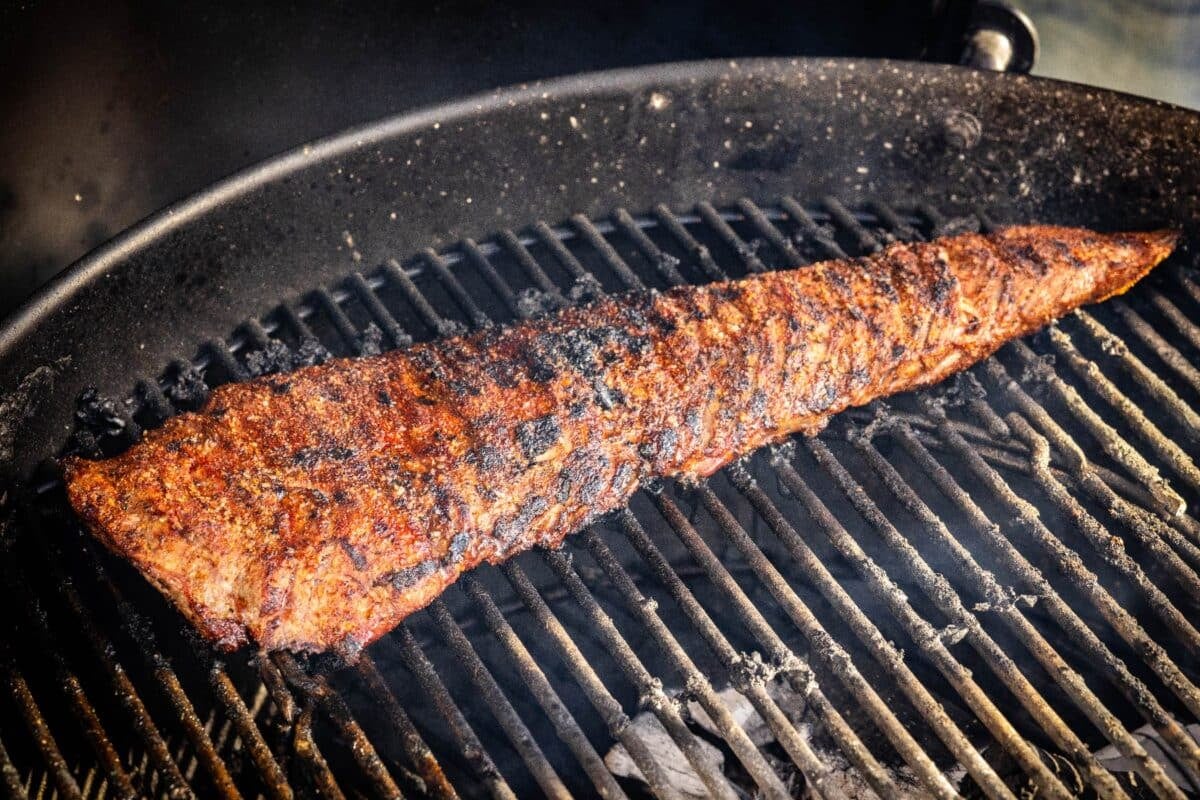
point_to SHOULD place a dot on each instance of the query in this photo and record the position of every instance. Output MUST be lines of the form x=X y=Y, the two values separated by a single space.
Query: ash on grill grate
x=988 y=589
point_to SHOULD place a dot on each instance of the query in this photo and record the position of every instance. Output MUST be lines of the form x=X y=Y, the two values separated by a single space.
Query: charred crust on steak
x=320 y=517
x=404 y=579
x=356 y=557
x=538 y=435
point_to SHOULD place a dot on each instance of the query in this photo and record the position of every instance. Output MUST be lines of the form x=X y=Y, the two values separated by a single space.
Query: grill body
x=968 y=591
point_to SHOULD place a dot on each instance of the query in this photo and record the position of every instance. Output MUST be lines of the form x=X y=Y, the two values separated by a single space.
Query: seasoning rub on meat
x=315 y=510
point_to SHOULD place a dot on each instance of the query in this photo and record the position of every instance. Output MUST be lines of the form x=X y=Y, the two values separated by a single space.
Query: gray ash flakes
x=310 y=353
x=585 y=290
x=274 y=358
x=458 y=548
x=537 y=303
x=370 y=341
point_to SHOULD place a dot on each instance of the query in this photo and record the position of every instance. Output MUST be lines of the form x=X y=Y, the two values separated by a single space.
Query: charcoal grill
x=974 y=590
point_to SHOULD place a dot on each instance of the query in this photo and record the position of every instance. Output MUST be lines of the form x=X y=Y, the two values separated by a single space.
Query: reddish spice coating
x=317 y=509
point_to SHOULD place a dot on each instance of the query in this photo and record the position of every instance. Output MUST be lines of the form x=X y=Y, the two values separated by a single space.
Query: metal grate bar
x=493 y=696
x=666 y=707
x=517 y=249
x=39 y=729
x=333 y=310
x=223 y=356
x=1181 y=412
x=153 y=400
x=1072 y=567
x=1005 y=601
x=822 y=646
x=469 y=745
x=811 y=230
x=608 y=253
x=443 y=273
x=699 y=253
x=1150 y=531
x=295 y=321
x=564 y=256
x=713 y=219
x=434 y=782
x=167 y=679
x=68 y=682
x=1103 y=433
x=123 y=687
x=481 y=262
x=881 y=649
x=378 y=311
x=396 y=274
x=816 y=773
x=10 y=777
x=893 y=221
x=543 y=692
x=1131 y=414
x=1136 y=692
x=796 y=671
x=666 y=264
x=864 y=240
x=335 y=709
x=305 y=746
x=251 y=737
x=770 y=232
x=928 y=640
x=1189 y=331
x=300 y=722
x=1110 y=547
x=614 y=717
x=938 y=589
x=1165 y=351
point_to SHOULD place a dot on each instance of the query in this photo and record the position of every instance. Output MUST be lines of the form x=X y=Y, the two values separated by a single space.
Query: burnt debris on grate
x=989 y=589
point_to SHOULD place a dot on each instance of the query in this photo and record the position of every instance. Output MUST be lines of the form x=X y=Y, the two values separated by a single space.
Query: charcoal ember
x=186 y=386
x=370 y=341
x=310 y=353
x=275 y=357
x=536 y=303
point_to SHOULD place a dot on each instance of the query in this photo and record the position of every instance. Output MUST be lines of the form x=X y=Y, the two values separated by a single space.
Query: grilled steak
x=317 y=509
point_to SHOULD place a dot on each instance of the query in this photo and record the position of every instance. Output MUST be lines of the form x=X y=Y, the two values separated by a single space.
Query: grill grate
x=968 y=591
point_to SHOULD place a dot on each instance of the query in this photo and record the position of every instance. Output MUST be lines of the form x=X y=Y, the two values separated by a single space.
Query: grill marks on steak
x=316 y=510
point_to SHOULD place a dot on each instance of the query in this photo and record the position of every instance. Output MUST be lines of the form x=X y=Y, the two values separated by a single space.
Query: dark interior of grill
x=976 y=589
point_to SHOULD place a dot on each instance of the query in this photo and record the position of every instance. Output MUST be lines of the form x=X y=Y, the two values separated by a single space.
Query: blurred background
x=111 y=111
